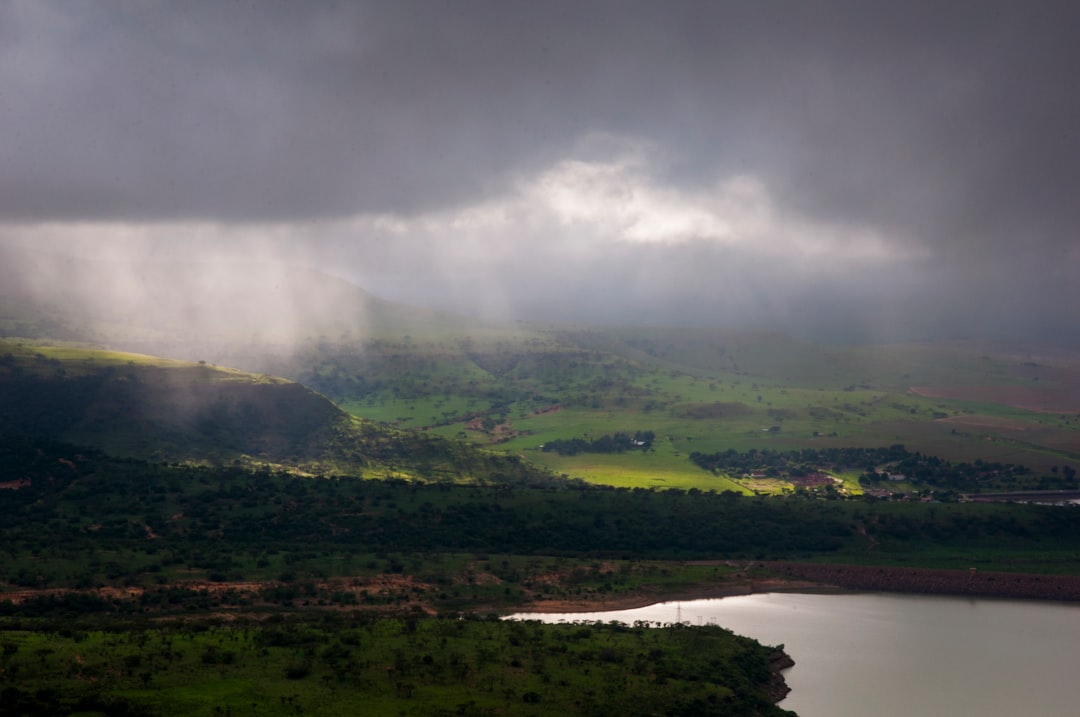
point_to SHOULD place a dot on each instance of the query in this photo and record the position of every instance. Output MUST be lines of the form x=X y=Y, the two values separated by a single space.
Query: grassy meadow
x=707 y=391
x=514 y=389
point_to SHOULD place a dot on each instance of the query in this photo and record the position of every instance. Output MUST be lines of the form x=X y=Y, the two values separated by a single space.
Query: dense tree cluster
x=798 y=462
x=89 y=500
x=930 y=470
x=616 y=443
x=327 y=665
x=878 y=466
x=75 y=507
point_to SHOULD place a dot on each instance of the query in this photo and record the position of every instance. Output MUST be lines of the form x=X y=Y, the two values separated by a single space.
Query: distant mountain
x=149 y=304
x=138 y=406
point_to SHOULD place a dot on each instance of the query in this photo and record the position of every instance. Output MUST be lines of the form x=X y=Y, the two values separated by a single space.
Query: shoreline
x=935 y=581
x=645 y=598
x=831 y=578
x=780 y=576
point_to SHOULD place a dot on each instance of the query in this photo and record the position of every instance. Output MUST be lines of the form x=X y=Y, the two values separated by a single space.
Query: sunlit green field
x=710 y=395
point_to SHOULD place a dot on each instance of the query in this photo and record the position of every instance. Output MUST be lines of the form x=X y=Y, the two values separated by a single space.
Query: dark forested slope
x=157 y=409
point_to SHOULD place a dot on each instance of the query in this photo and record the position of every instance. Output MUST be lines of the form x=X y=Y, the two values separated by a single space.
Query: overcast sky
x=902 y=169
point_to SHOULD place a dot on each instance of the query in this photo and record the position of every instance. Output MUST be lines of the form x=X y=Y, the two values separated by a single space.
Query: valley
x=239 y=495
x=336 y=336
x=514 y=393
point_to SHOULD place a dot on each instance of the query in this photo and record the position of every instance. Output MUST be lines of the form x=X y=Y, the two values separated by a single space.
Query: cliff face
x=937 y=582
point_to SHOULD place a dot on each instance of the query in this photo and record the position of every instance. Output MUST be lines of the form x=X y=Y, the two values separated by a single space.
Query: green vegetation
x=322 y=580
x=316 y=588
x=178 y=538
x=341 y=665
x=165 y=410
x=619 y=443
x=76 y=519
x=701 y=391
x=893 y=467
x=514 y=388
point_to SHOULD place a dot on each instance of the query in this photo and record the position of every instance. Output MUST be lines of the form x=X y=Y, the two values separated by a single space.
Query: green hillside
x=701 y=390
x=515 y=387
x=167 y=410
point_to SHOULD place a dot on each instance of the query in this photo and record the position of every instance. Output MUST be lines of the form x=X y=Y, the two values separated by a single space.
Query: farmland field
x=708 y=391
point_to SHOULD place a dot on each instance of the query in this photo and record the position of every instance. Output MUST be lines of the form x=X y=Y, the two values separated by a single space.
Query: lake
x=900 y=655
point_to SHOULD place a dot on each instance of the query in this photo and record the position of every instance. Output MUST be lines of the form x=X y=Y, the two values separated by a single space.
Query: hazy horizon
x=829 y=169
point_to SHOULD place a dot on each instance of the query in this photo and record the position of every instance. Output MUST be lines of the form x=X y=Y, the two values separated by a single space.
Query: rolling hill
x=139 y=406
x=513 y=387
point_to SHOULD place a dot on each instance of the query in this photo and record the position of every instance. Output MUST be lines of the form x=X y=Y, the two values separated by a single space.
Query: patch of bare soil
x=378 y=585
x=477 y=578
x=222 y=587
x=18 y=596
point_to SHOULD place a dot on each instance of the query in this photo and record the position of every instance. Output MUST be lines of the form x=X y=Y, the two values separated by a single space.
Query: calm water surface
x=901 y=656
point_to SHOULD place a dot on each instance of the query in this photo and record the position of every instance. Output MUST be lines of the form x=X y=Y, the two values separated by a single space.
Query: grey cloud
x=298 y=109
x=950 y=126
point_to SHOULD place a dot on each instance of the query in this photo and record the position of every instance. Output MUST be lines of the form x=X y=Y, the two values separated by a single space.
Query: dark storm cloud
x=303 y=109
x=949 y=129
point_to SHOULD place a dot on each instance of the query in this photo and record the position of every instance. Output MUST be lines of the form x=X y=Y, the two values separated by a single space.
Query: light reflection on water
x=900 y=655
